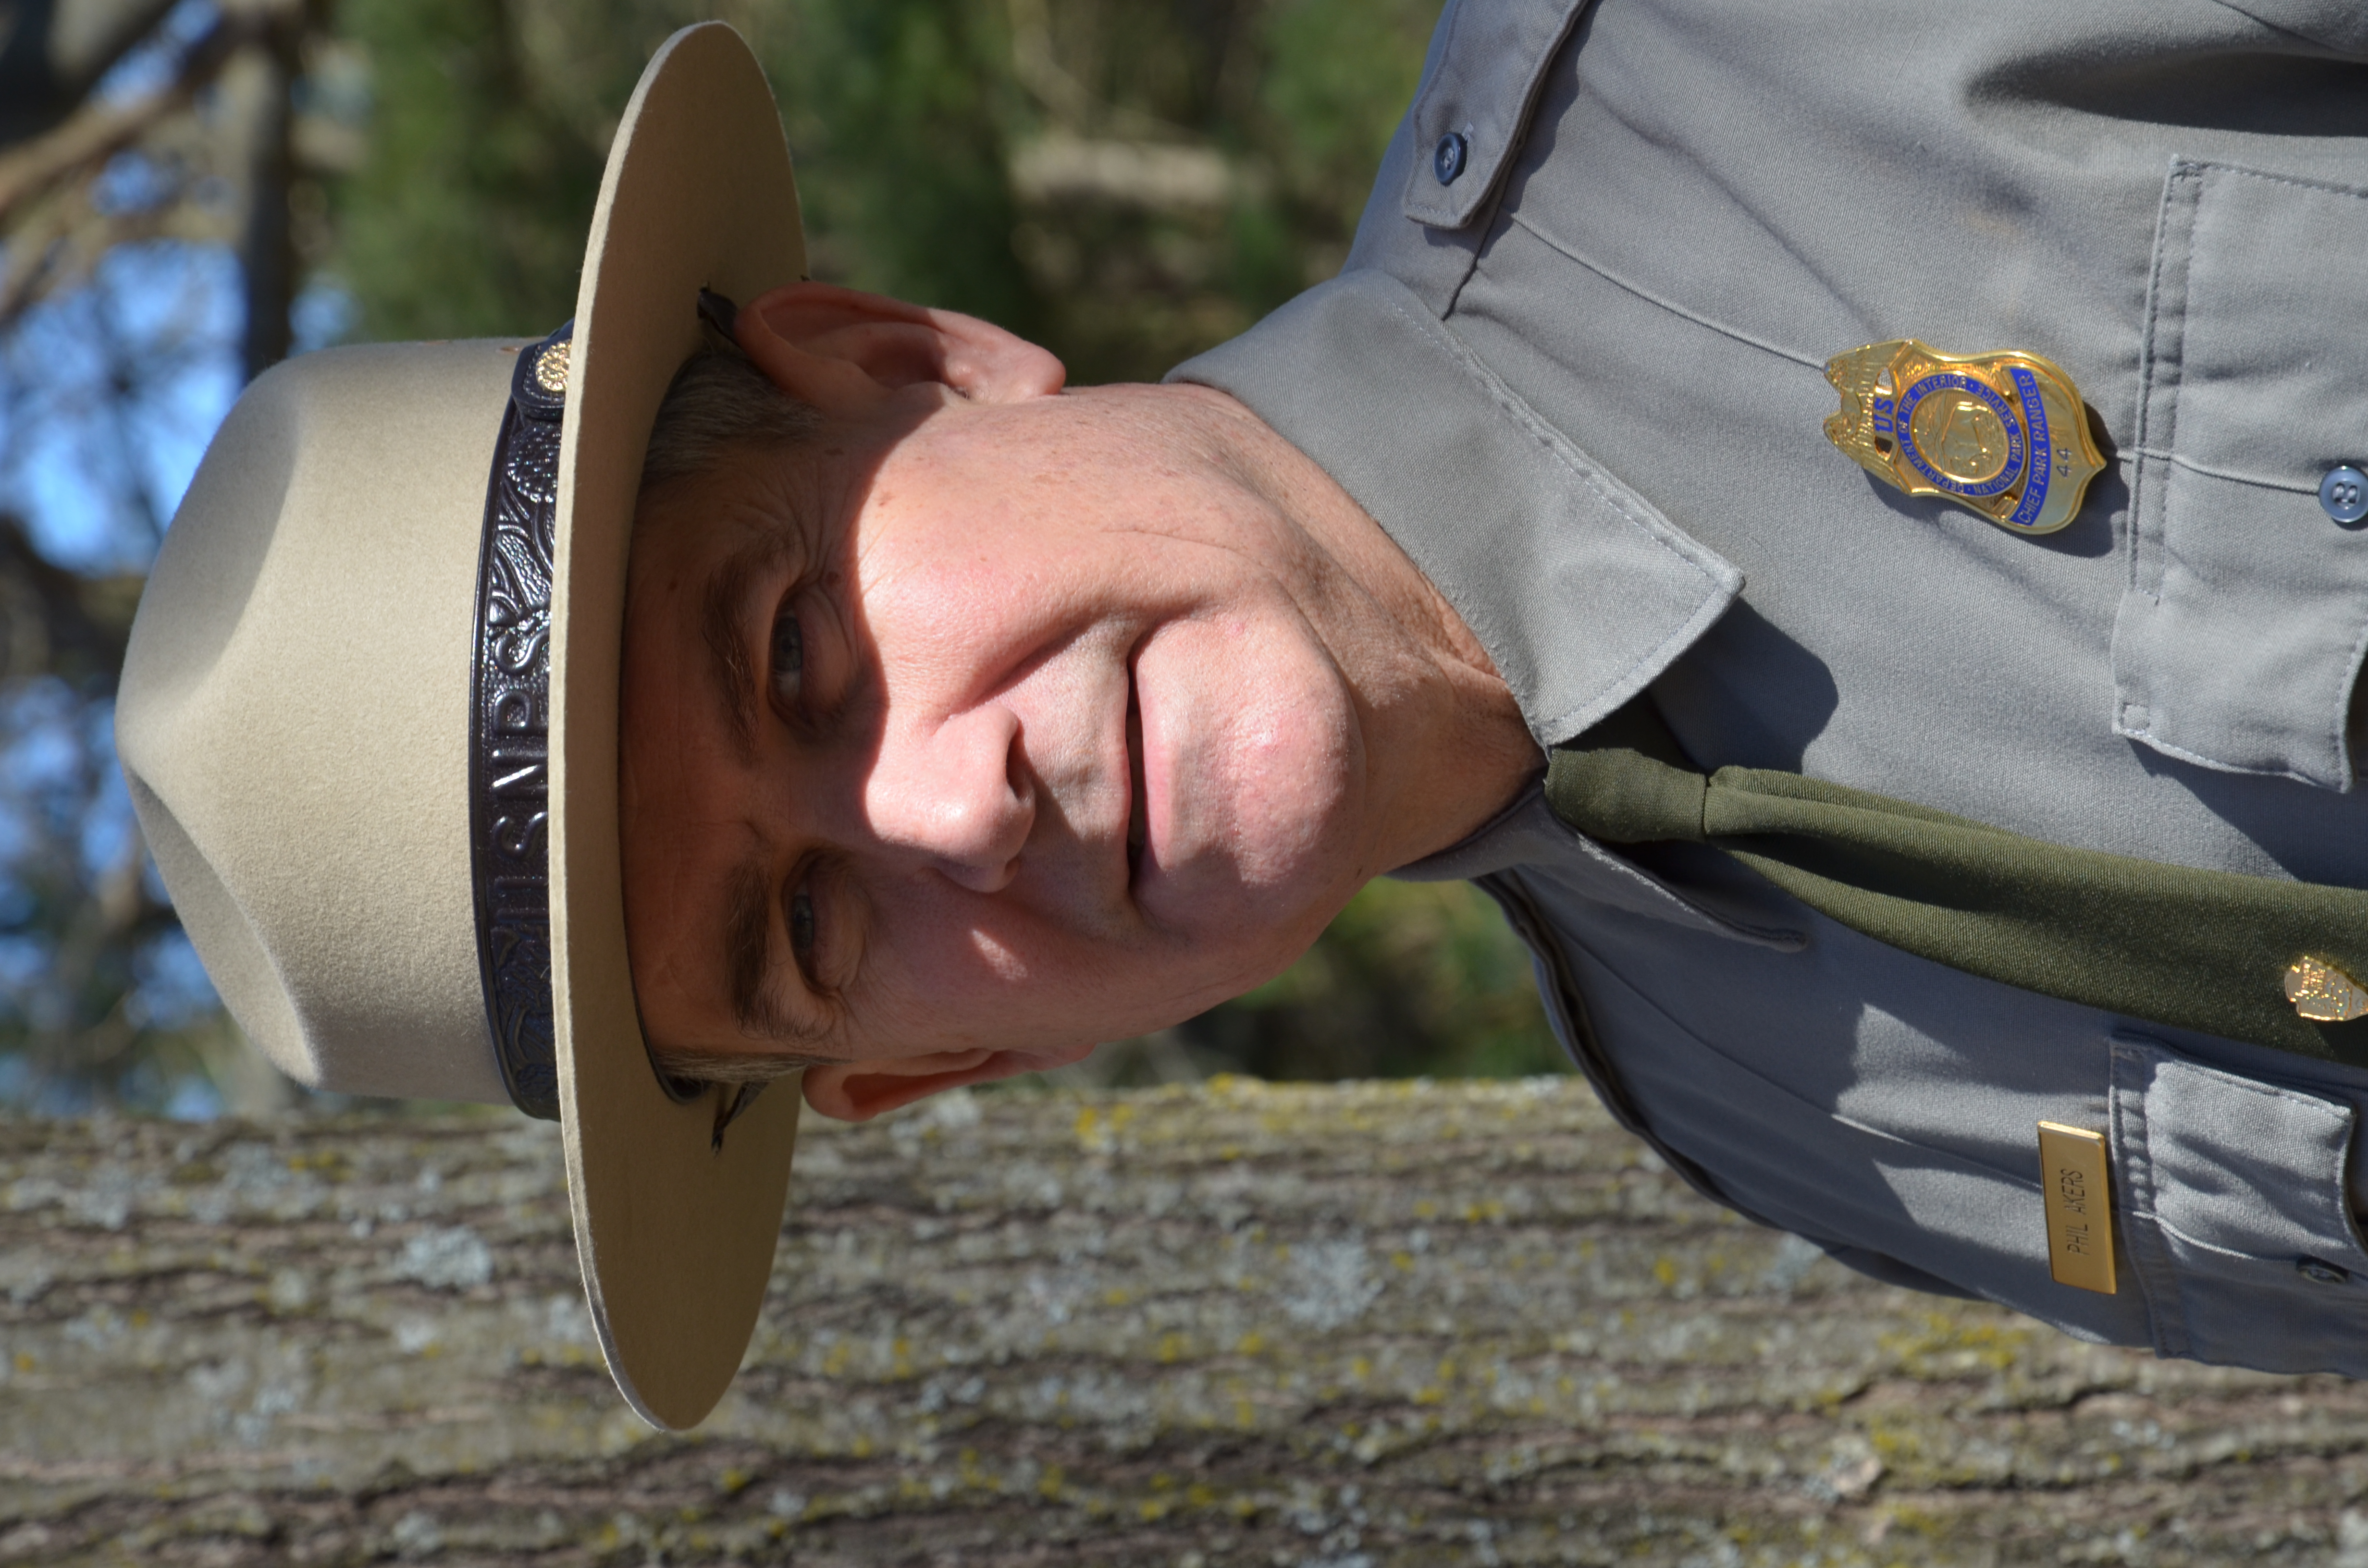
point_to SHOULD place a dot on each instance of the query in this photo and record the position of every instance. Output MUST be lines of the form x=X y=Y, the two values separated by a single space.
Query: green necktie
x=2204 y=951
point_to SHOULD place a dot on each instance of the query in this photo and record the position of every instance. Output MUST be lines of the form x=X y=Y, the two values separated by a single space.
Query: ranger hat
x=368 y=719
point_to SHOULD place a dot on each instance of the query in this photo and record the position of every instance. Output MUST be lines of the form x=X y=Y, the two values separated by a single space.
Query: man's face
x=996 y=728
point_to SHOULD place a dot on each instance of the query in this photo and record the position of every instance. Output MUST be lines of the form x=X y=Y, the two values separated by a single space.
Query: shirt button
x=1447 y=162
x=2324 y=1272
x=2344 y=493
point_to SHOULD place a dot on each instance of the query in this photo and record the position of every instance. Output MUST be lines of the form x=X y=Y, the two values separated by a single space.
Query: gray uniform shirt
x=1580 y=383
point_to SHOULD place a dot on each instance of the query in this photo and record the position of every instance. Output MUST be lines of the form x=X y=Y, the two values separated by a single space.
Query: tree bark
x=1228 y=1324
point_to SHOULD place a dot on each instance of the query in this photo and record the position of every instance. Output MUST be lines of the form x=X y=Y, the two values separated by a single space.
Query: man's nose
x=956 y=794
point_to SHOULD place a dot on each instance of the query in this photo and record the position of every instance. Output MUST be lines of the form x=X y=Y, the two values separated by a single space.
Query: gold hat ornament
x=2004 y=435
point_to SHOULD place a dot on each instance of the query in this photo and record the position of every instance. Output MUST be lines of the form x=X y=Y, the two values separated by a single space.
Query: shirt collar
x=1579 y=589
x=1523 y=833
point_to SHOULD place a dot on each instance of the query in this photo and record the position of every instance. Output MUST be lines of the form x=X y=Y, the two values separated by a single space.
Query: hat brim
x=675 y=1239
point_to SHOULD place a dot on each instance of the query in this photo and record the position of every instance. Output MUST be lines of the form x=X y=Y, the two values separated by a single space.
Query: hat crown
x=293 y=717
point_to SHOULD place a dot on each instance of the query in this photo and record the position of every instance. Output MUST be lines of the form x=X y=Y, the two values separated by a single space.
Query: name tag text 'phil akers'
x=2080 y=1207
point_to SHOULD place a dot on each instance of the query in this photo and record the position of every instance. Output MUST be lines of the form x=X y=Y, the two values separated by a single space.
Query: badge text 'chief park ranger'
x=1848 y=521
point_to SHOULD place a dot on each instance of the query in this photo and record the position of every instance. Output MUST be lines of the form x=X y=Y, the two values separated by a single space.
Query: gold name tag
x=2080 y=1207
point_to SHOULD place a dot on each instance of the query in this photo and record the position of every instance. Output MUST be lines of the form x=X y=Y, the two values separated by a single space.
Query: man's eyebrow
x=727 y=644
x=748 y=957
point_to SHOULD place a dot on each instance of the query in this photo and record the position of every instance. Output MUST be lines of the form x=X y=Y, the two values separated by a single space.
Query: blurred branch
x=196 y=139
x=267 y=249
x=97 y=131
x=62 y=236
x=1039 y=69
x=52 y=52
x=1154 y=176
x=53 y=621
x=252 y=55
x=116 y=909
x=61 y=624
x=1071 y=104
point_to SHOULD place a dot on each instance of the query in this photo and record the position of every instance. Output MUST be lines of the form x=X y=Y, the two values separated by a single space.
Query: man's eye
x=787 y=659
x=802 y=926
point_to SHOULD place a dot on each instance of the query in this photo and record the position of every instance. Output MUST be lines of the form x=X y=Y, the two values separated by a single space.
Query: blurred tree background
x=191 y=190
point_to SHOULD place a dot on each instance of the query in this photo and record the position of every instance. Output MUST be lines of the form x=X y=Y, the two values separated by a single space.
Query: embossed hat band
x=509 y=732
x=509 y=728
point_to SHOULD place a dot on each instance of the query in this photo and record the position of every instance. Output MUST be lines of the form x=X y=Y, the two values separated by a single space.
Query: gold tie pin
x=2324 y=994
x=2004 y=436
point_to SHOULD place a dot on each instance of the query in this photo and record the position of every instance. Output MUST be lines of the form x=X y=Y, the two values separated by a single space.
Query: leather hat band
x=510 y=728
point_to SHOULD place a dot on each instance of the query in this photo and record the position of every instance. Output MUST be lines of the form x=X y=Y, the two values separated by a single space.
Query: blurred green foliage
x=467 y=217
x=1125 y=181
x=1412 y=979
x=908 y=118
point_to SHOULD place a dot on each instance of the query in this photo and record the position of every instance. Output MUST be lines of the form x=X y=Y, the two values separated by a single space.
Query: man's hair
x=721 y=401
x=718 y=401
x=688 y=1065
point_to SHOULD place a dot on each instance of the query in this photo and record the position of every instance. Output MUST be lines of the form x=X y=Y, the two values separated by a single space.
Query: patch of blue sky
x=117 y=388
x=134 y=182
x=114 y=390
x=23 y=961
x=193 y=1098
x=58 y=1096
x=325 y=314
x=152 y=63
x=43 y=755
x=108 y=829
x=173 y=990
x=109 y=826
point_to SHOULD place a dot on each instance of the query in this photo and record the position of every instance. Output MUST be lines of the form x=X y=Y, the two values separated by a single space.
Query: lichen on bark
x=1228 y=1324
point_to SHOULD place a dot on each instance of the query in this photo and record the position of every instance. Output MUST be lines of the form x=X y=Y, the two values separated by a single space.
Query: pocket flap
x=2239 y=1224
x=1486 y=61
x=2248 y=1168
x=2241 y=630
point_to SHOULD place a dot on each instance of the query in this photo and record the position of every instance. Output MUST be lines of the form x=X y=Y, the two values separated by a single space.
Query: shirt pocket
x=2236 y=1222
x=2245 y=609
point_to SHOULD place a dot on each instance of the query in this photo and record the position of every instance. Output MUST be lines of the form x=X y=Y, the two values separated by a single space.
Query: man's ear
x=846 y=352
x=858 y=1091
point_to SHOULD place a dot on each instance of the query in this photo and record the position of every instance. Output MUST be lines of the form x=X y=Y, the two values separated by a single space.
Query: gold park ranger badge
x=2003 y=435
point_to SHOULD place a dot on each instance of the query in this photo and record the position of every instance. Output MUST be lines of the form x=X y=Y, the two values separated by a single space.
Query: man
x=1920 y=780
x=940 y=767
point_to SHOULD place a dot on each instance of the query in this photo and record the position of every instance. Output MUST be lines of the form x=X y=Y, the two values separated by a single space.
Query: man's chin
x=1237 y=939
x=1249 y=754
x=1272 y=872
